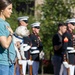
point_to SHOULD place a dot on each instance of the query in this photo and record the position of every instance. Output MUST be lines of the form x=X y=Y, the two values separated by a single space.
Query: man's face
x=63 y=29
x=71 y=27
x=36 y=30
x=22 y=23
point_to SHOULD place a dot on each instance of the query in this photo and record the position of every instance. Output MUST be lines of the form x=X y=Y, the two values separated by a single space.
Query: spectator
x=57 y=47
x=7 y=50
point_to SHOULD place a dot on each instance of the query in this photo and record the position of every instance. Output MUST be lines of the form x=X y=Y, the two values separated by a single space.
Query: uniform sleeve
x=30 y=36
x=30 y=42
x=65 y=44
x=27 y=40
x=40 y=46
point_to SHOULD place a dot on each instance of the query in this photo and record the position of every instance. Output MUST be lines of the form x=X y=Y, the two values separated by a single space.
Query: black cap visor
x=37 y=27
x=26 y=21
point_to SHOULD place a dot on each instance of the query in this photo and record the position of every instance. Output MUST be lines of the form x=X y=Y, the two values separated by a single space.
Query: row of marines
x=28 y=47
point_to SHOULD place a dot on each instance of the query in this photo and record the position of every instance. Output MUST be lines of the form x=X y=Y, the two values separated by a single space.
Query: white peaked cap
x=22 y=18
x=36 y=24
x=70 y=20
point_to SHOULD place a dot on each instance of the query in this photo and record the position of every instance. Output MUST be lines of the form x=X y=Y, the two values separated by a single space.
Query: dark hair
x=4 y=4
x=61 y=24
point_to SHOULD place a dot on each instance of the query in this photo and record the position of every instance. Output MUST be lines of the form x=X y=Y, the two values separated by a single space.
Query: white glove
x=66 y=64
x=30 y=62
x=19 y=61
x=41 y=55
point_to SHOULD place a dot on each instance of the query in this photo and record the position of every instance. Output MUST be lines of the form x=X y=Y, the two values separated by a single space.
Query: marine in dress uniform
x=23 y=21
x=25 y=47
x=69 y=46
x=69 y=36
x=36 y=47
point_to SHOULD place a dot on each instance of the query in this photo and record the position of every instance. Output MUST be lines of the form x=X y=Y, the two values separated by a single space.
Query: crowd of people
x=19 y=50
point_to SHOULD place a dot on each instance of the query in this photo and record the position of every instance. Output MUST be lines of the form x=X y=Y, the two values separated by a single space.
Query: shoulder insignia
x=65 y=39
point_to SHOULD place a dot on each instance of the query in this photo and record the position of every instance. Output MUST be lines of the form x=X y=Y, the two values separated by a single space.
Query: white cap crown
x=70 y=20
x=36 y=24
x=22 y=18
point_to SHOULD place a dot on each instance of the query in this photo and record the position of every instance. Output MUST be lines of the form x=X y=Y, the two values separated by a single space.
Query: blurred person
x=7 y=49
x=57 y=47
x=22 y=21
x=36 y=48
x=69 y=35
x=69 y=44
x=73 y=21
x=23 y=46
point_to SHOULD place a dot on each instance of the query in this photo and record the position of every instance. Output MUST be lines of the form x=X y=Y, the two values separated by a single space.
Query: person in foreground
x=7 y=50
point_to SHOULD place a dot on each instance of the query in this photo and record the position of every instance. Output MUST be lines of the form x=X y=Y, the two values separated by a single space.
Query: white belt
x=70 y=48
x=35 y=52
x=33 y=47
x=73 y=51
x=25 y=44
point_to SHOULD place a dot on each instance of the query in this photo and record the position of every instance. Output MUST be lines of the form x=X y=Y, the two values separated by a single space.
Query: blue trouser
x=17 y=70
x=35 y=67
x=6 y=70
x=57 y=61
